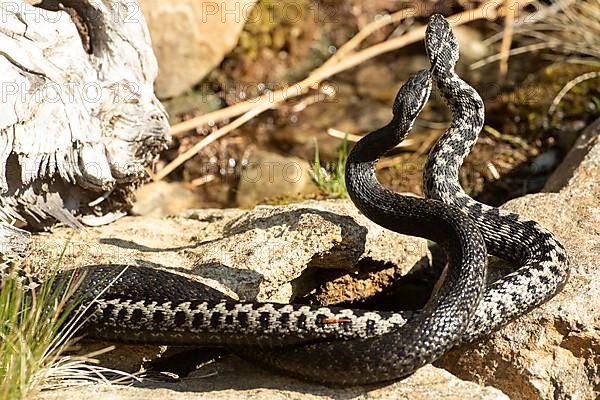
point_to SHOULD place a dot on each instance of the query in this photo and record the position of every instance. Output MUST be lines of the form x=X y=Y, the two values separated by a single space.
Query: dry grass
x=32 y=334
x=567 y=27
x=37 y=327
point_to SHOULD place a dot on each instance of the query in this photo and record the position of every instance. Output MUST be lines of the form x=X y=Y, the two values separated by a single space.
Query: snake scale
x=348 y=346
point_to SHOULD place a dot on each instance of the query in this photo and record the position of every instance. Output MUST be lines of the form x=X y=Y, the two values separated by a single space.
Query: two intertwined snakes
x=348 y=346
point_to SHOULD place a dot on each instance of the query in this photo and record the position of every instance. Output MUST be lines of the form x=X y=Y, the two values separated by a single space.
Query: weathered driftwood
x=79 y=122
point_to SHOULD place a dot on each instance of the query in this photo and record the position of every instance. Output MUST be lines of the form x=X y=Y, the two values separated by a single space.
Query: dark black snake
x=346 y=346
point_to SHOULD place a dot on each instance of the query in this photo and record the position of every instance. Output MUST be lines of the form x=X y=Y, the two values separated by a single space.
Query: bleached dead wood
x=79 y=122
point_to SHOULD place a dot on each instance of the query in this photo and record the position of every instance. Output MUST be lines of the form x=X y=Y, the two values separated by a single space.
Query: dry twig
x=219 y=133
x=570 y=85
x=506 y=38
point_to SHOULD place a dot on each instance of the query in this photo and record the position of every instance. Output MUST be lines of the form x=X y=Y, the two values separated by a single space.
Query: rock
x=121 y=357
x=378 y=82
x=268 y=175
x=233 y=378
x=261 y=254
x=377 y=117
x=545 y=162
x=315 y=120
x=203 y=31
x=381 y=82
x=264 y=254
x=552 y=352
x=471 y=42
x=404 y=67
x=584 y=154
x=161 y=199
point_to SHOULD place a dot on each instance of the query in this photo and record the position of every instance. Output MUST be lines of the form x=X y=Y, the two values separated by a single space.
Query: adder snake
x=347 y=346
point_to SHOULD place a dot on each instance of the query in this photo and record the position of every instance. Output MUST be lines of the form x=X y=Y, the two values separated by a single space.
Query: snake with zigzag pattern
x=348 y=346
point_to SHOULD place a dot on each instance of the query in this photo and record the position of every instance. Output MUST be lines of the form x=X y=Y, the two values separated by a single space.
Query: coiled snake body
x=542 y=260
x=344 y=346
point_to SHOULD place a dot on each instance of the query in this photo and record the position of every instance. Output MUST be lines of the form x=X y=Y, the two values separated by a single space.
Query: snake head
x=441 y=44
x=412 y=96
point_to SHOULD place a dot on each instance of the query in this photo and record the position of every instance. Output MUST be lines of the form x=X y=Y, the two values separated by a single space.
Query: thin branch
x=515 y=51
x=219 y=133
x=506 y=39
x=322 y=73
x=367 y=30
x=570 y=85
x=567 y=26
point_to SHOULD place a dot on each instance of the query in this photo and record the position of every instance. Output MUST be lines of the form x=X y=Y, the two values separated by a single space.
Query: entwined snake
x=345 y=346
x=543 y=265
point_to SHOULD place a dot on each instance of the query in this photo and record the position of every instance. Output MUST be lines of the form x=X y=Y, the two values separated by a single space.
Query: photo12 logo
x=83 y=94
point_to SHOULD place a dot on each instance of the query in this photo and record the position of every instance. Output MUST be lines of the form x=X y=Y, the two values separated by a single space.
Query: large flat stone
x=235 y=379
x=261 y=254
x=191 y=37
